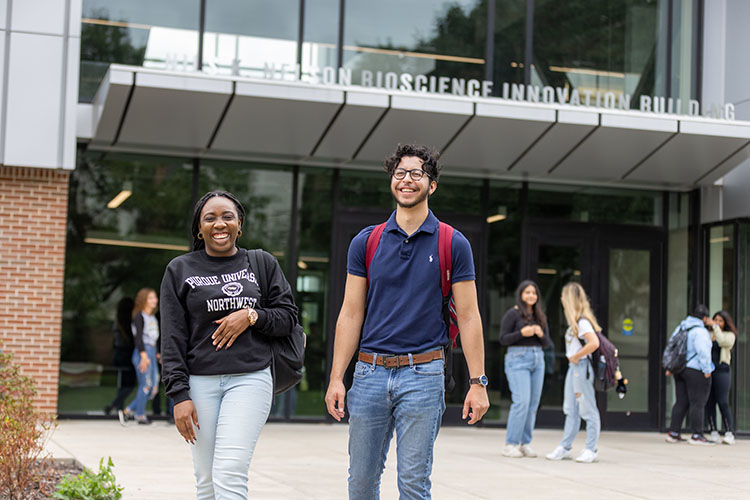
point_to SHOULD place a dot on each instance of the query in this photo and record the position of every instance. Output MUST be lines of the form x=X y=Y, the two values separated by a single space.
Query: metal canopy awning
x=151 y=111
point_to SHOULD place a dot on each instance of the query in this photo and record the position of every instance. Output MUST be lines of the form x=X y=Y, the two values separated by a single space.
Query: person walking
x=524 y=331
x=123 y=346
x=145 y=330
x=216 y=349
x=393 y=310
x=579 y=399
x=693 y=384
x=723 y=336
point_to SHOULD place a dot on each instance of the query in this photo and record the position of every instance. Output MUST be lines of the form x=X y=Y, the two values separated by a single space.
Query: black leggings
x=721 y=380
x=691 y=390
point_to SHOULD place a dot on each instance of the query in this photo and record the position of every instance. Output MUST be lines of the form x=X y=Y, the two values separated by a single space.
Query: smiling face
x=529 y=296
x=219 y=225
x=407 y=192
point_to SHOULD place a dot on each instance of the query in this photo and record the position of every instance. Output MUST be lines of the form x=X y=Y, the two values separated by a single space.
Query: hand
x=335 y=397
x=573 y=359
x=707 y=375
x=667 y=373
x=538 y=331
x=158 y=357
x=230 y=327
x=185 y=417
x=476 y=404
x=527 y=331
x=144 y=363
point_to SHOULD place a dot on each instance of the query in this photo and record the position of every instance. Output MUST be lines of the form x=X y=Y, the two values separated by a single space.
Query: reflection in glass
x=741 y=353
x=595 y=204
x=150 y=33
x=602 y=46
x=509 y=47
x=242 y=36
x=418 y=37
x=321 y=33
x=721 y=270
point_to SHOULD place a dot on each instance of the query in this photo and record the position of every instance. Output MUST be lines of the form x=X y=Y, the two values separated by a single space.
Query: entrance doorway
x=620 y=268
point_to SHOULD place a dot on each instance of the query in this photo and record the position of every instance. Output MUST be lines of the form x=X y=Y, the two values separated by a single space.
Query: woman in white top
x=579 y=400
x=723 y=335
x=145 y=335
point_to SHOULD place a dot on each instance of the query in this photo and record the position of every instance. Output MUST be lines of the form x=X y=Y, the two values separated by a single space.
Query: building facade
x=597 y=141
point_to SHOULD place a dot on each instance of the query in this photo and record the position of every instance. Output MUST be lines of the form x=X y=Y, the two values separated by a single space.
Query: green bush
x=90 y=486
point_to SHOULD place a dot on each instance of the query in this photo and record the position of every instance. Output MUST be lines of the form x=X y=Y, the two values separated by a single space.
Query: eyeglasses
x=416 y=174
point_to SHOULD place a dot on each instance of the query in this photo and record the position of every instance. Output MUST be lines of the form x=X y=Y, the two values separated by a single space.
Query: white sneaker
x=715 y=437
x=559 y=453
x=728 y=438
x=512 y=451
x=587 y=456
x=528 y=451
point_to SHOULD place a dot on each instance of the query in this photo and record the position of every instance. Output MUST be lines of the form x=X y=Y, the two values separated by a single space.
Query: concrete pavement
x=309 y=461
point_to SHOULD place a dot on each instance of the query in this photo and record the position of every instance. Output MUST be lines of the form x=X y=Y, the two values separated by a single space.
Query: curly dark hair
x=199 y=244
x=429 y=156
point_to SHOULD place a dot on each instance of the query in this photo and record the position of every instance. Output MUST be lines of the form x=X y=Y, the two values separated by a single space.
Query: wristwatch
x=252 y=315
x=481 y=380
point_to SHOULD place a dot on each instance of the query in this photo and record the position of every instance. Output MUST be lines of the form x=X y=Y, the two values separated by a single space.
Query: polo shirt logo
x=430 y=258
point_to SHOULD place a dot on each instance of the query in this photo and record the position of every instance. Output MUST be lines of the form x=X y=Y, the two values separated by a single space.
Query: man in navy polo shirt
x=398 y=380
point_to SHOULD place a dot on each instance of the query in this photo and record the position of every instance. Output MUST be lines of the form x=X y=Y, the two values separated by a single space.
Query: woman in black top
x=524 y=330
x=216 y=350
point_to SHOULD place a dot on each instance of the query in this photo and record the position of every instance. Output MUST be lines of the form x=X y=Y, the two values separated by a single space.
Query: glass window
x=603 y=46
x=721 y=269
x=741 y=352
x=595 y=204
x=685 y=37
x=313 y=277
x=384 y=39
x=503 y=263
x=509 y=48
x=457 y=195
x=152 y=33
x=365 y=189
x=266 y=194
x=320 y=35
x=242 y=36
x=128 y=216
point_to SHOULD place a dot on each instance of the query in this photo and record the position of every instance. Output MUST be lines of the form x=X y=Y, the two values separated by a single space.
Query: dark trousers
x=721 y=380
x=126 y=378
x=691 y=388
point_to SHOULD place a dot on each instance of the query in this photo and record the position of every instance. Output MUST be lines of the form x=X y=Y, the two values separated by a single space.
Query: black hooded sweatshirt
x=197 y=290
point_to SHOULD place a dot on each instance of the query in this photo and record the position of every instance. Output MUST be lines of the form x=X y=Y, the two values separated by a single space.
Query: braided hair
x=199 y=244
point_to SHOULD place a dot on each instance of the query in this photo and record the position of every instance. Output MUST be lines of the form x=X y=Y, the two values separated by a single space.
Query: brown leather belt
x=396 y=361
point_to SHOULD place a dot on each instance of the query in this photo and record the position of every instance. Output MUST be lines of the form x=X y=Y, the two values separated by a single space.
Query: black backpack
x=674 y=358
x=288 y=352
x=605 y=363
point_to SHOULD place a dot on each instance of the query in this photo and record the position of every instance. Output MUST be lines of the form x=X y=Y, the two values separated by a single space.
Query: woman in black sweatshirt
x=216 y=351
x=524 y=330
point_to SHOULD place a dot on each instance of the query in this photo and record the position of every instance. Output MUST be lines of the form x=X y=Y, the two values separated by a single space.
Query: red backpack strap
x=445 y=256
x=372 y=245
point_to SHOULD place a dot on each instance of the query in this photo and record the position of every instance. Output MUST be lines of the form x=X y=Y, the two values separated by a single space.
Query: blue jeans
x=147 y=382
x=409 y=400
x=231 y=412
x=580 y=380
x=524 y=368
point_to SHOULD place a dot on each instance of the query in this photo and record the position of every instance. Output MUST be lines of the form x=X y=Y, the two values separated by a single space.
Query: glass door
x=631 y=292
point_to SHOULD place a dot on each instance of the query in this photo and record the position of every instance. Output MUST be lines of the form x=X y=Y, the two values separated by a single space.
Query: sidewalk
x=309 y=461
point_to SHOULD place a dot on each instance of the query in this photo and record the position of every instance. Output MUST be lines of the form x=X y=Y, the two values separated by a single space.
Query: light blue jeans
x=231 y=412
x=409 y=400
x=524 y=368
x=580 y=380
x=147 y=382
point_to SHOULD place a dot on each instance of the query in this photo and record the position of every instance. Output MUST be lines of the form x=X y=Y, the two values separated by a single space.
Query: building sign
x=432 y=84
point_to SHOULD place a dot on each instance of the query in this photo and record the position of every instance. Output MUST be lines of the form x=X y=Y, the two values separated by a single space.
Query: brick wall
x=33 y=214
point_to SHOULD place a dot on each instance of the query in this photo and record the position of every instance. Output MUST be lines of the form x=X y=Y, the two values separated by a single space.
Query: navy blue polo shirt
x=404 y=300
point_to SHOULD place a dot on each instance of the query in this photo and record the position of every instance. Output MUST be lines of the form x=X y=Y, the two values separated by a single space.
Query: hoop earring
x=199 y=236
x=239 y=233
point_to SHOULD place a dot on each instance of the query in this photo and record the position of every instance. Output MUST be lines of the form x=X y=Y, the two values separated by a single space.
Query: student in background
x=723 y=336
x=579 y=400
x=524 y=331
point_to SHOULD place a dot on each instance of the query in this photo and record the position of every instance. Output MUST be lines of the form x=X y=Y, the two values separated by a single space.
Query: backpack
x=288 y=353
x=445 y=257
x=674 y=358
x=606 y=364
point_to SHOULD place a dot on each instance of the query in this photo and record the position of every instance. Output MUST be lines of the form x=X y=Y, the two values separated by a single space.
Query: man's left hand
x=476 y=404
